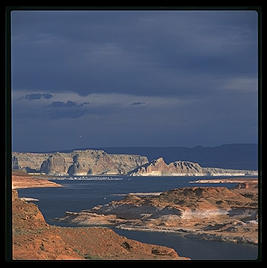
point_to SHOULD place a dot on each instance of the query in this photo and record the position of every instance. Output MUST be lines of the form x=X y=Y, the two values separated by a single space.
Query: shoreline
x=21 y=180
x=61 y=176
x=140 y=194
x=183 y=232
x=228 y=180
x=189 y=233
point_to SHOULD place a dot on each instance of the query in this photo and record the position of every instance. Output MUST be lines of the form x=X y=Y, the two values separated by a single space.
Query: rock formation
x=158 y=167
x=54 y=165
x=30 y=160
x=98 y=162
x=208 y=212
x=15 y=163
x=78 y=162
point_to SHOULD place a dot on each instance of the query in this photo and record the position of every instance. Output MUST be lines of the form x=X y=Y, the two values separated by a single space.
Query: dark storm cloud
x=61 y=104
x=38 y=96
x=134 y=78
x=47 y=96
x=138 y=103
x=69 y=109
x=56 y=110
x=155 y=53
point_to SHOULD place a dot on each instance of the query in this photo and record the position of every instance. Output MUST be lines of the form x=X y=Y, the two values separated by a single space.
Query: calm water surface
x=76 y=195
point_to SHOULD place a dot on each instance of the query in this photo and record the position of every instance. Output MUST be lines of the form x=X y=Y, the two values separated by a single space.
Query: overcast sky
x=133 y=78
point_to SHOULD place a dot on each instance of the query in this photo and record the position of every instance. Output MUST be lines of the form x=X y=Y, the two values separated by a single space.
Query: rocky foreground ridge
x=98 y=162
x=215 y=213
x=34 y=239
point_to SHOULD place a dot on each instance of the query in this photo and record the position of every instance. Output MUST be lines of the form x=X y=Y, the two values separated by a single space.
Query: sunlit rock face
x=158 y=167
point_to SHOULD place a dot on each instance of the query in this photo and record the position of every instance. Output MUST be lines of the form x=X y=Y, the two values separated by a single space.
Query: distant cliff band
x=98 y=162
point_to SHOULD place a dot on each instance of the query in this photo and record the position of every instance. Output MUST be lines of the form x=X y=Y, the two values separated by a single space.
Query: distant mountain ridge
x=232 y=156
x=137 y=161
x=159 y=167
x=229 y=156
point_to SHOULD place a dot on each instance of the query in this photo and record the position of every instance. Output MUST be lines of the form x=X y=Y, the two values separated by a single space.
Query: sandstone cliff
x=158 y=167
x=78 y=163
x=98 y=162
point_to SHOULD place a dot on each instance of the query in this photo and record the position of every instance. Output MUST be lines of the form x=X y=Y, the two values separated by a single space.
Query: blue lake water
x=79 y=194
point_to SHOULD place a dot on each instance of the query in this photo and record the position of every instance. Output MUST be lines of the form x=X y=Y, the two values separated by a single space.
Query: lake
x=84 y=193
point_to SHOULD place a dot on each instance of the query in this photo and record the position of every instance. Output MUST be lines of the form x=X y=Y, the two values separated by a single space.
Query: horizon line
x=132 y=146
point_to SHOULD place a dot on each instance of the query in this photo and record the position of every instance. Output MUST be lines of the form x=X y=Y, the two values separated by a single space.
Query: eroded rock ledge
x=216 y=213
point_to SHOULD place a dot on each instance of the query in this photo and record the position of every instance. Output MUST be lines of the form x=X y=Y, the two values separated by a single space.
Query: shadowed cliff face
x=54 y=164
